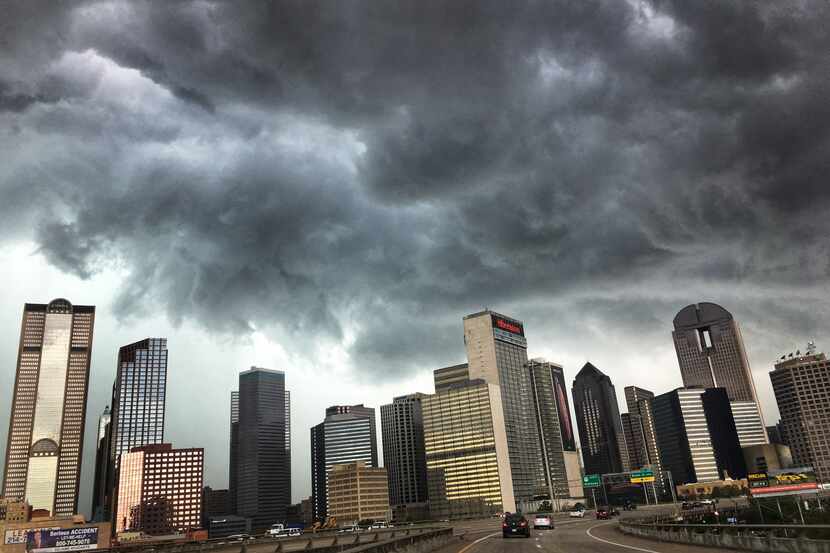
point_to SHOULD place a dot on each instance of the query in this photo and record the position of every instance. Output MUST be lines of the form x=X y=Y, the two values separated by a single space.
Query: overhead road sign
x=641 y=476
x=591 y=481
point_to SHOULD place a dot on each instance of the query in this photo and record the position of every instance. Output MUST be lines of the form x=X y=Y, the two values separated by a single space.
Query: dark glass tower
x=264 y=465
x=724 y=433
x=233 y=461
x=598 y=419
x=138 y=402
x=102 y=459
x=404 y=458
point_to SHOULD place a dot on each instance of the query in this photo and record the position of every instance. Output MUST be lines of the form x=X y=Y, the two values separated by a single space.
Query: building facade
x=358 y=492
x=215 y=503
x=402 y=429
x=723 y=433
x=448 y=376
x=711 y=354
x=263 y=475
x=233 y=453
x=346 y=435
x=683 y=436
x=767 y=457
x=802 y=390
x=160 y=489
x=48 y=409
x=601 y=436
x=100 y=493
x=468 y=461
x=497 y=353
x=639 y=403
x=137 y=414
x=553 y=421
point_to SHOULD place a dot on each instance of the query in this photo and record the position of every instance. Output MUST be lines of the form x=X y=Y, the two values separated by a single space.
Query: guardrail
x=768 y=538
x=323 y=542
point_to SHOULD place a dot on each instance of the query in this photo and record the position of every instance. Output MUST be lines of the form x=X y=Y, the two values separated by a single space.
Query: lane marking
x=590 y=535
x=479 y=540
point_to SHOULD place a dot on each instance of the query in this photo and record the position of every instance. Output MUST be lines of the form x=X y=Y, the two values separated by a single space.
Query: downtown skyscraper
x=138 y=402
x=553 y=417
x=346 y=435
x=639 y=425
x=604 y=450
x=263 y=473
x=402 y=429
x=48 y=409
x=233 y=461
x=497 y=354
x=711 y=354
x=801 y=384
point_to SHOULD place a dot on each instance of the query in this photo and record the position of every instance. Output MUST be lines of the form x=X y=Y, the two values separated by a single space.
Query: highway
x=570 y=536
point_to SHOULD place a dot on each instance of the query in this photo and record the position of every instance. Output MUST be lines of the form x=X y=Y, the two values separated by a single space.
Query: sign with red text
x=508 y=325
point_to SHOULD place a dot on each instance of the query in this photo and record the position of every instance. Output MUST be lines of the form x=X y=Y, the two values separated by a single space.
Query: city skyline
x=300 y=493
x=329 y=203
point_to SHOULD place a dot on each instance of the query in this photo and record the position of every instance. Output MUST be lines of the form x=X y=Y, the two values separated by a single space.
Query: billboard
x=563 y=410
x=62 y=539
x=508 y=325
x=18 y=536
x=790 y=481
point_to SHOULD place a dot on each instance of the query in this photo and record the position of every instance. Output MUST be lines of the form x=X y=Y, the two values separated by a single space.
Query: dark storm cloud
x=366 y=173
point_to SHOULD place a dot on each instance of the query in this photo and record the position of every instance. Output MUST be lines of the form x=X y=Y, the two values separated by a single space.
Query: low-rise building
x=767 y=457
x=160 y=490
x=224 y=526
x=358 y=492
x=14 y=510
x=707 y=489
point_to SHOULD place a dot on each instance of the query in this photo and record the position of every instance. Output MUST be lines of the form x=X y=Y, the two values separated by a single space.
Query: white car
x=542 y=521
x=577 y=514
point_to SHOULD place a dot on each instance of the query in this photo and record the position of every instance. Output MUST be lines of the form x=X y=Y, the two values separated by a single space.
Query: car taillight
x=523 y=523
x=504 y=525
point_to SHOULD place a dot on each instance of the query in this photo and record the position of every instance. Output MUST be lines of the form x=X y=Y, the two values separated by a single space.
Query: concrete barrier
x=734 y=539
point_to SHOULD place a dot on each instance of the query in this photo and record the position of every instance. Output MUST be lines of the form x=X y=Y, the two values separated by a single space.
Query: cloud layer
x=363 y=174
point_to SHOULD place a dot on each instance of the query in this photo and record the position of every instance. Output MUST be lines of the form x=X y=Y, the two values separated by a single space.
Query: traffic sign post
x=642 y=476
x=591 y=481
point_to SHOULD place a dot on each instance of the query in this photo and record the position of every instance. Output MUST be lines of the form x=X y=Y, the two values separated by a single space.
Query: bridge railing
x=771 y=538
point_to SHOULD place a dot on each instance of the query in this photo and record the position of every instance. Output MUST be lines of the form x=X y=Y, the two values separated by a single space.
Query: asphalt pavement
x=569 y=536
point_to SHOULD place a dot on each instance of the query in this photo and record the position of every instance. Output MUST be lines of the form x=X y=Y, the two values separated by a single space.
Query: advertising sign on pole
x=62 y=539
x=792 y=481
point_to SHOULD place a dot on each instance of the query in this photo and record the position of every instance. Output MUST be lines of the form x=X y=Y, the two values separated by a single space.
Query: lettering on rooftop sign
x=508 y=326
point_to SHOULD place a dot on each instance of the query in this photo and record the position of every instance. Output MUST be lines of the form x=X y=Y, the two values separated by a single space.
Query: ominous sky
x=326 y=188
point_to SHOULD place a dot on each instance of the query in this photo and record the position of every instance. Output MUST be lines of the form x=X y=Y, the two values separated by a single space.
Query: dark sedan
x=603 y=514
x=515 y=525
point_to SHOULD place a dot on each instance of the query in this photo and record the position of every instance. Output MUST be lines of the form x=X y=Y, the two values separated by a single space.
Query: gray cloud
x=366 y=173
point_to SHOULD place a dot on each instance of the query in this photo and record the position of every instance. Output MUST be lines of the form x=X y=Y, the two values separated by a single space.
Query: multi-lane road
x=586 y=535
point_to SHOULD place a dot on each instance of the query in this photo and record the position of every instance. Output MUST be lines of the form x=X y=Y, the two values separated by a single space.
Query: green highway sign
x=591 y=481
x=642 y=475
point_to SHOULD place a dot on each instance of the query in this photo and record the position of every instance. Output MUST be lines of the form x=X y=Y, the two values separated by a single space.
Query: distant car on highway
x=515 y=525
x=239 y=537
x=577 y=513
x=542 y=521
